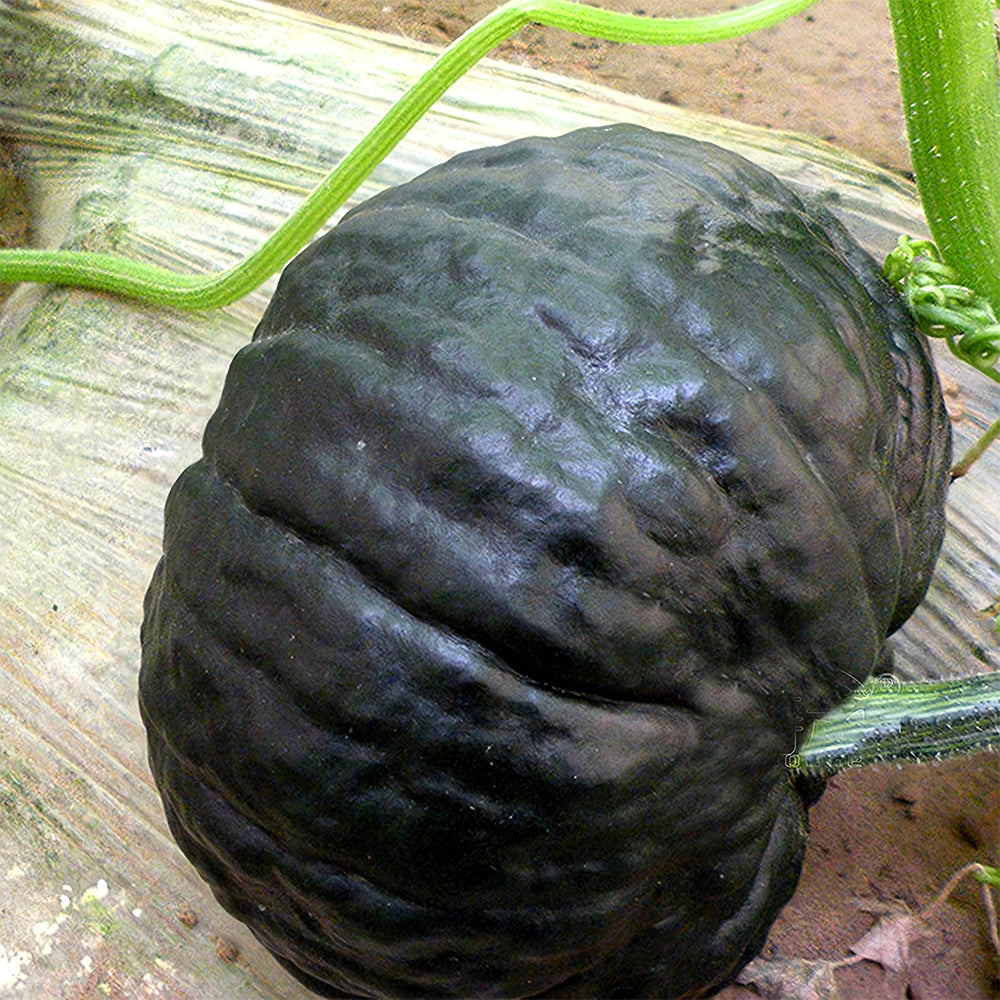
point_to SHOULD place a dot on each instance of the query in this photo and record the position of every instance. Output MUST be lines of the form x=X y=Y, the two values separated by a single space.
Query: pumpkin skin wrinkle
x=556 y=488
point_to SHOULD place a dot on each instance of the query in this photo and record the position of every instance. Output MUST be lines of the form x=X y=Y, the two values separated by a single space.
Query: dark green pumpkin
x=557 y=488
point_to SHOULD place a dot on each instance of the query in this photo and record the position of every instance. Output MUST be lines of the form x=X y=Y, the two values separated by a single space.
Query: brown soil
x=890 y=837
x=830 y=71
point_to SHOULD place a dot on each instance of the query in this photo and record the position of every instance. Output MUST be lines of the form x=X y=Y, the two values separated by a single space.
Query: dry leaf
x=888 y=942
x=791 y=979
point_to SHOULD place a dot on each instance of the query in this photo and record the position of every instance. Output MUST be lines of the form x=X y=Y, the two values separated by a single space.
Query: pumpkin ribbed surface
x=555 y=490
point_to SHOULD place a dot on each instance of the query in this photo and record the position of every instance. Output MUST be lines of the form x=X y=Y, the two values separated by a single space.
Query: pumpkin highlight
x=556 y=488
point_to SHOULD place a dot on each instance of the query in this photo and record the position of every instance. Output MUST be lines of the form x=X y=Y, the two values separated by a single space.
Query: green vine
x=135 y=279
x=947 y=56
x=943 y=307
x=948 y=78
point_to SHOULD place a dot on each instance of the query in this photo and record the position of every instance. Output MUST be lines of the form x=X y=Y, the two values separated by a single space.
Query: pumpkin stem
x=889 y=720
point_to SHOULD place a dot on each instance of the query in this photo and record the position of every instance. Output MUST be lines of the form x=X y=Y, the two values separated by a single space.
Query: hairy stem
x=947 y=54
x=886 y=720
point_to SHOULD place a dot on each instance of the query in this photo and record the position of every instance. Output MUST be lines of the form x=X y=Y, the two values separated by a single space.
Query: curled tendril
x=943 y=308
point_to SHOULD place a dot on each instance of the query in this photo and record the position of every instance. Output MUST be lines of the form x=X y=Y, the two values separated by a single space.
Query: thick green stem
x=886 y=720
x=947 y=55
